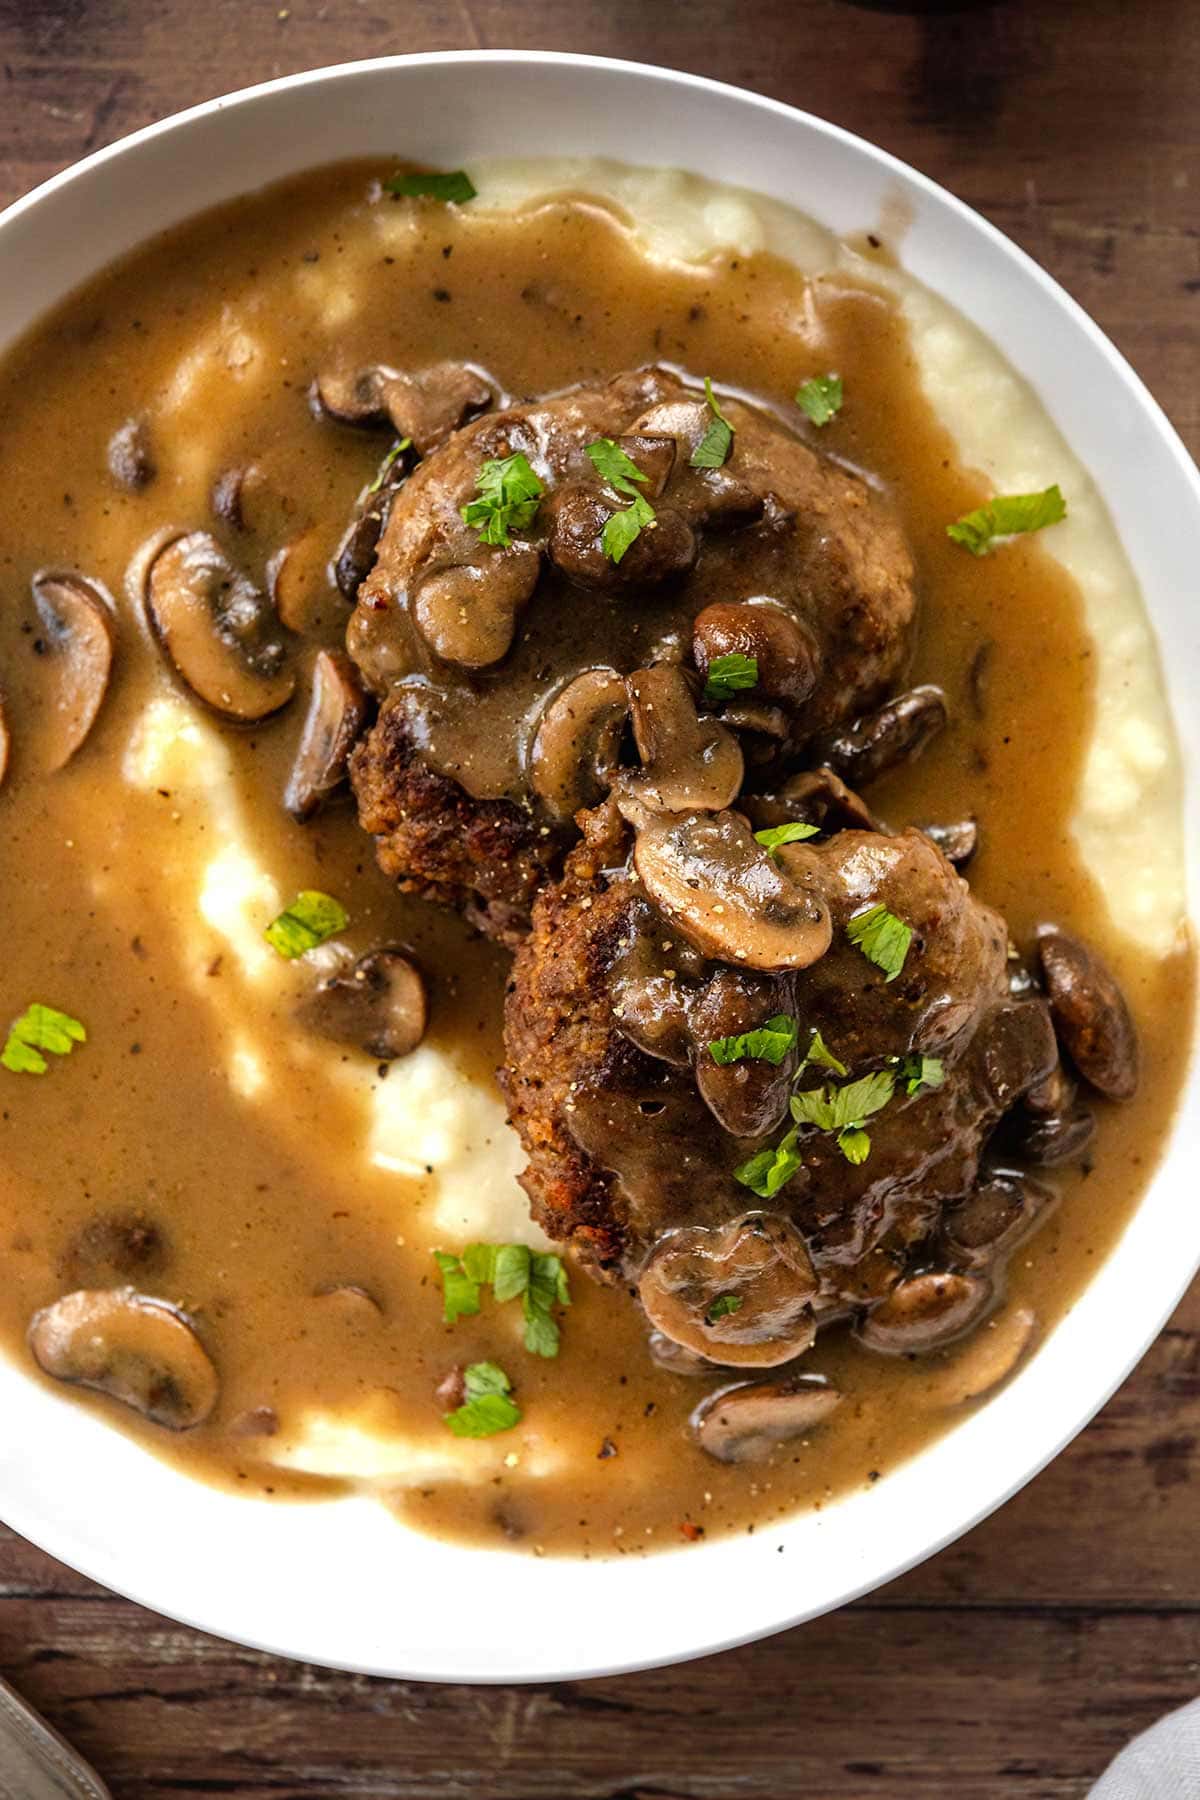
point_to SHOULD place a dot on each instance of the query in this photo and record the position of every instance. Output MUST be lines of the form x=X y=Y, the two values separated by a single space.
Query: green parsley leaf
x=775 y=836
x=767 y=1043
x=455 y=186
x=819 y=1052
x=917 y=1072
x=820 y=397
x=39 y=1028
x=769 y=1170
x=713 y=449
x=389 y=462
x=547 y=1288
x=1005 y=516
x=511 y=1271
x=854 y=1144
x=508 y=497
x=622 y=528
x=882 y=937
x=729 y=675
x=308 y=921
x=613 y=465
x=487 y=1408
x=460 y=1293
x=722 y=1306
x=479 y=1261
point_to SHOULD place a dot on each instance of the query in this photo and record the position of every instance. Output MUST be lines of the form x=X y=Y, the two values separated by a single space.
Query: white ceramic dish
x=344 y=1584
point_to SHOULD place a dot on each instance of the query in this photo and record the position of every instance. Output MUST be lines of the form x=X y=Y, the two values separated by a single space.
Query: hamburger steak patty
x=497 y=667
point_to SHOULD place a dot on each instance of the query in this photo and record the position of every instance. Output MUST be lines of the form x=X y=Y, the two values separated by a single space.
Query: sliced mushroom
x=295 y=582
x=895 y=733
x=689 y=763
x=219 y=631
x=467 y=614
x=143 y=1352
x=354 y=1305
x=426 y=406
x=1016 y=1049
x=739 y=1294
x=355 y=555
x=784 y=650
x=80 y=636
x=726 y=896
x=748 y=1421
x=654 y=456
x=1090 y=1015
x=814 y=797
x=1002 y=1210
x=747 y=1098
x=378 y=1006
x=576 y=514
x=991 y=1356
x=336 y=714
x=226 y=498
x=957 y=841
x=1050 y=1125
x=925 y=1311
x=130 y=460
x=575 y=747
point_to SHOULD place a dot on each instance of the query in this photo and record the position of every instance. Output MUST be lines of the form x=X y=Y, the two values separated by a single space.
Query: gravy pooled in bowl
x=448 y=637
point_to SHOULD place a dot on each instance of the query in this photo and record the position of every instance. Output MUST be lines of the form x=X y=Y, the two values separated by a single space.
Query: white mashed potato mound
x=428 y=1120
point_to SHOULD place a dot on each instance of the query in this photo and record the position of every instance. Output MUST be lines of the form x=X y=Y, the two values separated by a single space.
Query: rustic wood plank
x=1020 y=1659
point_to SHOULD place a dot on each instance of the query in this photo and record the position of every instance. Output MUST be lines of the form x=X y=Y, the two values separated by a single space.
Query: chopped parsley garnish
x=713 y=449
x=916 y=1072
x=308 y=921
x=776 y=836
x=820 y=397
x=622 y=528
x=620 y=471
x=845 y=1110
x=767 y=1043
x=487 y=1408
x=729 y=675
x=768 y=1170
x=389 y=462
x=882 y=937
x=508 y=497
x=512 y=1271
x=455 y=186
x=40 y=1028
x=722 y=1306
x=819 y=1052
x=1005 y=516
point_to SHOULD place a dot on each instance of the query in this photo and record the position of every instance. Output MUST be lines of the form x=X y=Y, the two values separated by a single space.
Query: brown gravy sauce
x=260 y=1206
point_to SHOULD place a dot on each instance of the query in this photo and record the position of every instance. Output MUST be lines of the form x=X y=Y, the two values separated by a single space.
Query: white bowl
x=343 y=1584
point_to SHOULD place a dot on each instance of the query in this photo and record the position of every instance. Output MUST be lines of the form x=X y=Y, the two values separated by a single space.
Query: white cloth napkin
x=1162 y=1764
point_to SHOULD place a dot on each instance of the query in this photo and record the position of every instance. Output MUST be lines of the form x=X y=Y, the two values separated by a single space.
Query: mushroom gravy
x=201 y=1144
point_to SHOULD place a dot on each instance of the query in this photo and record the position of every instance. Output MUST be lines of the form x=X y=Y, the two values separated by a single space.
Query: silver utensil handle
x=37 y=1764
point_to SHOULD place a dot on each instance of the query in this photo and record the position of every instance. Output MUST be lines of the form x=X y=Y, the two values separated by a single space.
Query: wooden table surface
x=1018 y=1661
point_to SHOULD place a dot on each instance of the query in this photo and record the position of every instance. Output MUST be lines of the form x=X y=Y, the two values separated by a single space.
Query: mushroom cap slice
x=575 y=747
x=989 y=1358
x=336 y=714
x=746 y=1422
x=467 y=613
x=80 y=632
x=925 y=1311
x=689 y=763
x=143 y=1352
x=738 y=1294
x=220 y=632
x=379 y=1006
x=425 y=406
x=726 y=896
x=1090 y=1015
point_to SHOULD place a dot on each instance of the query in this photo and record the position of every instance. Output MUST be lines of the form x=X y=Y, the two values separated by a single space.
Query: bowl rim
x=781 y=1614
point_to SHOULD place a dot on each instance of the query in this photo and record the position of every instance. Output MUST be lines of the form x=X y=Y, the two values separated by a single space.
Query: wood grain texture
x=1017 y=1662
